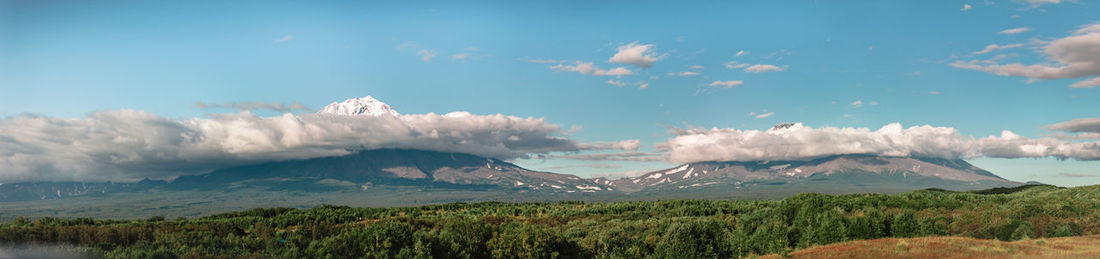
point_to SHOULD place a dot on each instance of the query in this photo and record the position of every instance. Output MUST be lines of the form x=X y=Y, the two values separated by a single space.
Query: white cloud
x=759 y=68
x=426 y=55
x=285 y=38
x=697 y=67
x=1074 y=56
x=1087 y=83
x=798 y=142
x=643 y=85
x=966 y=7
x=460 y=56
x=765 y=115
x=130 y=145
x=934 y=92
x=756 y=69
x=740 y=53
x=587 y=68
x=726 y=84
x=735 y=65
x=685 y=73
x=616 y=83
x=250 y=106
x=995 y=47
x=1010 y=145
x=857 y=103
x=639 y=55
x=1015 y=30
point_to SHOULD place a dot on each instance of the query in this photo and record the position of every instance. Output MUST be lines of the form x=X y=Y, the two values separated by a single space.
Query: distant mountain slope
x=403 y=167
x=424 y=177
x=357 y=171
x=914 y=172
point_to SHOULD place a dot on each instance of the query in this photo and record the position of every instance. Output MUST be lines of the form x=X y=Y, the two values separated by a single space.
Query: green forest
x=632 y=229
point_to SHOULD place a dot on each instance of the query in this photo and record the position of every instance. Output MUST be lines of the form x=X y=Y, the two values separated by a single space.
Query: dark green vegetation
x=680 y=229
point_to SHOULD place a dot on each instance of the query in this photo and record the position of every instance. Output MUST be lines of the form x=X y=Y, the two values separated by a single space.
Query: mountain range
x=400 y=177
x=366 y=169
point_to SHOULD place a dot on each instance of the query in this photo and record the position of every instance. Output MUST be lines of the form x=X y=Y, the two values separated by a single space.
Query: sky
x=604 y=88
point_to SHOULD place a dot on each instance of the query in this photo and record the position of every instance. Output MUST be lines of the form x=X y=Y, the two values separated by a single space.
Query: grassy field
x=955 y=247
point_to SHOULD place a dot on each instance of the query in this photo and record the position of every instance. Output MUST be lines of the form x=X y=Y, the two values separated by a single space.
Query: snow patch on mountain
x=360 y=106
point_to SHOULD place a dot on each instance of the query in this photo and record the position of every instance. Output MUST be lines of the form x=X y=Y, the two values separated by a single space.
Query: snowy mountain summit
x=360 y=106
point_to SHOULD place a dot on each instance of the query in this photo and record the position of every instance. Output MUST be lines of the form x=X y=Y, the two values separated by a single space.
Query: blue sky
x=69 y=58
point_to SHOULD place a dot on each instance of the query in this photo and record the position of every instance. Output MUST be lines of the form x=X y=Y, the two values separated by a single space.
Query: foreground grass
x=955 y=247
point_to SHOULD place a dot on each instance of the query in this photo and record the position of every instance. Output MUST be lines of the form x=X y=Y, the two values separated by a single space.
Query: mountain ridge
x=698 y=174
x=363 y=170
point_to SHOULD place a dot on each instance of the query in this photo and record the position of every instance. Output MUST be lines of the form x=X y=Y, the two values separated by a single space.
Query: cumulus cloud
x=1015 y=30
x=616 y=83
x=1010 y=145
x=966 y=7
x=794 y=141
x=639 y=55
x=460 y=56
x=726 y=84
x=426 y=55
x=587 y=68
x=129 y=144
x=994 y=47
x=685 y=73
x=251 y=106
x=1074 y=56
x=765 y=115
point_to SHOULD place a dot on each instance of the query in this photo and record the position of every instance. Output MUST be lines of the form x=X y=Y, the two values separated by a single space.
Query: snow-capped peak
x=785 y=125
x=360 y=106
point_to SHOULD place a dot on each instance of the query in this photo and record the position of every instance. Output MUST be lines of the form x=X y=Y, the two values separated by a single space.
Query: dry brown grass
x=955 y=247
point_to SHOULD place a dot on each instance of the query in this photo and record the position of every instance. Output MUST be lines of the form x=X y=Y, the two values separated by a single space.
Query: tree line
x=634 y=229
